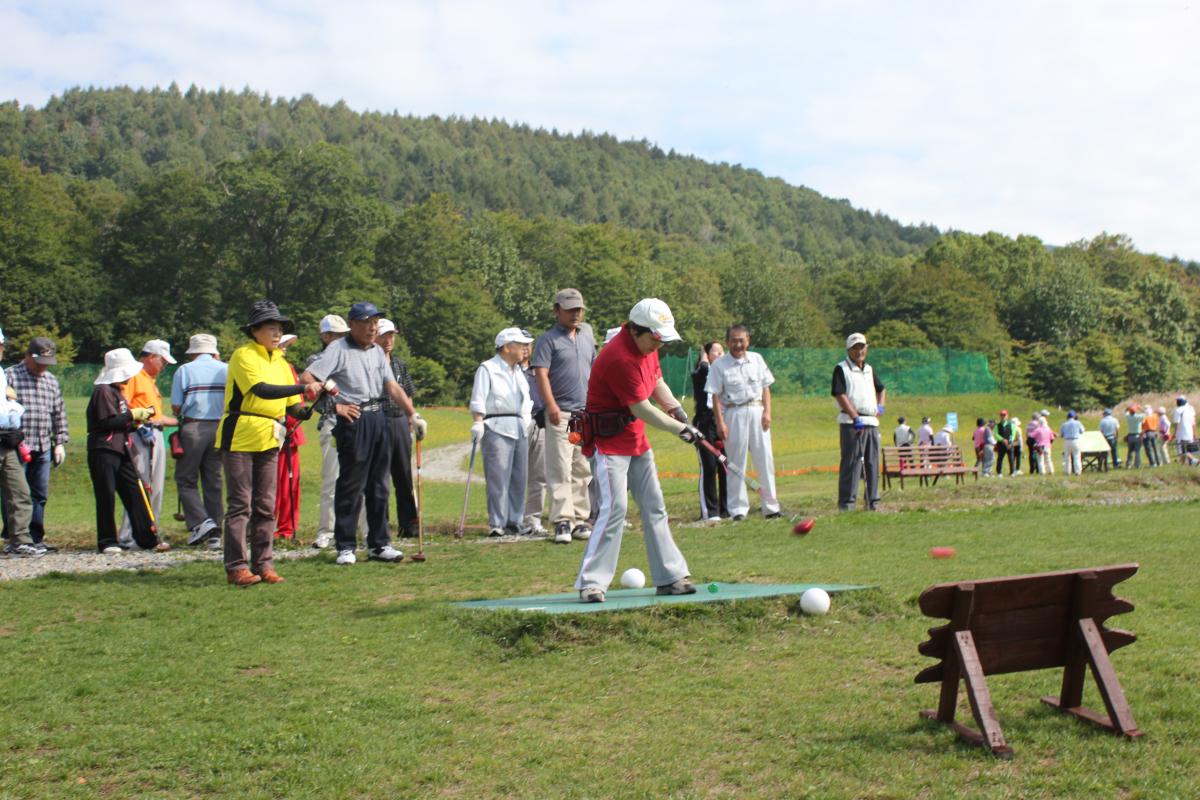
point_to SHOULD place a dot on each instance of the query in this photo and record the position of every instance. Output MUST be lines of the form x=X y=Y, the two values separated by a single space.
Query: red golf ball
x=804 y=526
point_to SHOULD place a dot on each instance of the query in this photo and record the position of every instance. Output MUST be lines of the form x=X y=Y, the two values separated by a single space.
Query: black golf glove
x=677 y=413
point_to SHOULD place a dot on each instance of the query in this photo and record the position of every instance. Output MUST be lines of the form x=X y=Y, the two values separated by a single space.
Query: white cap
x=287 y=339
x=1045 y=413
x=202 y=343
x=513 y=335
x=855 y=338
x=119 y=366
x=385 y=326
x=611 y=334
x=332 y=323
x=159 y=348
x=654 y=314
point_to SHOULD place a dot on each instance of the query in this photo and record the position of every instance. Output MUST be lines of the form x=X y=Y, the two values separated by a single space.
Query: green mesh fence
x=809 y=371
x=76 y=380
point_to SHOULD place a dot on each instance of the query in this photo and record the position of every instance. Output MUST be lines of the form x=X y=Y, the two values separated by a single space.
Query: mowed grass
x=367 y=682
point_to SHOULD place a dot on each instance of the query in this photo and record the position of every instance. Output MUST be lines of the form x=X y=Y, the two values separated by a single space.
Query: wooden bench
x=923 y=463
x=1027 y=622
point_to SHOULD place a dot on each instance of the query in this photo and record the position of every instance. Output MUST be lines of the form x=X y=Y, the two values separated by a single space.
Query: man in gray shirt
x=362 y=373
x=562 y=363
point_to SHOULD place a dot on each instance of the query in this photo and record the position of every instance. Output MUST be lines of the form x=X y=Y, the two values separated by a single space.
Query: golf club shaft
x=462 y=520
x=737 y=473
x=420 y=505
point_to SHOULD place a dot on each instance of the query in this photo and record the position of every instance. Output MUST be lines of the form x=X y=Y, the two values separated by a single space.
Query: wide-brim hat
x=202 y=343
x=119 y=366
x=266 y=311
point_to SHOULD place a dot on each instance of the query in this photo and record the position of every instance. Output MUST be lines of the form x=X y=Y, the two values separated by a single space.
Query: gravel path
x=15 y=568
x=445 y=463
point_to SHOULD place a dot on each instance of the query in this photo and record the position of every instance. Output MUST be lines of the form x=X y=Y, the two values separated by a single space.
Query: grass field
x=365 y=682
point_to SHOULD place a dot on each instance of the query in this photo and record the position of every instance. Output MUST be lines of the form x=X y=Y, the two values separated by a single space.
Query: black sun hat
x=266 y=311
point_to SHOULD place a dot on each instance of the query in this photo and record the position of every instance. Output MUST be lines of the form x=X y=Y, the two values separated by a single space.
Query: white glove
x=60 y=454
x=477 y=431
x=419 y=426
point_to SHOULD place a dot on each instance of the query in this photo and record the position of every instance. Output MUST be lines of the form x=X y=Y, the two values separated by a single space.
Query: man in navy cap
x=364 y=378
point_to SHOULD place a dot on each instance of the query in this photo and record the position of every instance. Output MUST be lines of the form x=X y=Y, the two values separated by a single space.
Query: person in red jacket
x=287 y=486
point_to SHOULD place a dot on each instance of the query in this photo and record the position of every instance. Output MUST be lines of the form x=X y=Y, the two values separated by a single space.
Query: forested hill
x=128 y=135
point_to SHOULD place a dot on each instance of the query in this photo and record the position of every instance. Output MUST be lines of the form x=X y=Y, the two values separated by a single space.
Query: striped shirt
x=198 y=388
x=45 y=421
x=400 y=370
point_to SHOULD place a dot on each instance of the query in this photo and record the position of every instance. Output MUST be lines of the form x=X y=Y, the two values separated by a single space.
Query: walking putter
x=462 y=520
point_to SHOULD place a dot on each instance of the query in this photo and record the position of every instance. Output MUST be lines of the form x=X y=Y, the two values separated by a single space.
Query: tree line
x=130 y=225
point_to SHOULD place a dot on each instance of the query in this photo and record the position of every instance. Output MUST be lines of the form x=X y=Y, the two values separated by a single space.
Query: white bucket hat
x=656 y=315
x=202 y=343
x=119 y=366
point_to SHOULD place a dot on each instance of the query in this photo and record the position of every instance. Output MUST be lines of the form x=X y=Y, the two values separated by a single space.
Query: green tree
x=898 y=334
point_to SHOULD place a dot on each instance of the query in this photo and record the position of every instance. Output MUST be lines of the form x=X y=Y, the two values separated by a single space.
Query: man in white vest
x=860 y=398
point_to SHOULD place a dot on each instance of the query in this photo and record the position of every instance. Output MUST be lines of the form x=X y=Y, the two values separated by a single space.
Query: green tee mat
x=623 y=599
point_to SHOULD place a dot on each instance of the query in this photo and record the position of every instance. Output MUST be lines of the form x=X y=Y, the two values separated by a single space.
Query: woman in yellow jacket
x=260 y=389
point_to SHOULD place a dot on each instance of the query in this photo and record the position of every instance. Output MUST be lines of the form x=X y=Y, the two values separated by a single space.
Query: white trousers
x=1046 y=460
x=619 y=476
x=151 y=463
x=747 y=436
x=1072 y=457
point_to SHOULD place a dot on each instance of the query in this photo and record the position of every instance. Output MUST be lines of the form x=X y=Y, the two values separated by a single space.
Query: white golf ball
x=633 y=578
x=814 y=601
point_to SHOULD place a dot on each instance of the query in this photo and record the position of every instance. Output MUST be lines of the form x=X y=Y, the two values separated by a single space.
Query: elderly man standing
x=44 y=426
x=364 y=378
x=402 y=481
x=739 y=383
x=151 y=462
x=14 y=489
x=1185 y=430
x=198 y=400
x=1110 y=429
x=562 y=362
x=860 y=397
x=332 y=328
x=500 y=412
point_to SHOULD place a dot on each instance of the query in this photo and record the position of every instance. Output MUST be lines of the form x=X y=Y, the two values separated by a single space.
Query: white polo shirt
x=501 y=389
x=736 y=382
x=1185 y=423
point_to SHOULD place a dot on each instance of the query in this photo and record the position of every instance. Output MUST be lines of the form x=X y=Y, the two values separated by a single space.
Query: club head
x=418 y=556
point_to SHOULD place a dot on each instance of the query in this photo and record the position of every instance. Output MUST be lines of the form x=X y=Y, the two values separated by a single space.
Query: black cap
x=42 y=350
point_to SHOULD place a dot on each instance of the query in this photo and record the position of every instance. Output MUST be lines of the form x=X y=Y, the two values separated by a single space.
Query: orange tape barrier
x=784 y=472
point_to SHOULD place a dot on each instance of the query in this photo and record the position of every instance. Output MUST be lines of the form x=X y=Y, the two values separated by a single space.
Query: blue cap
x=364 y=310
x=1108 y=412
x=1071 y=414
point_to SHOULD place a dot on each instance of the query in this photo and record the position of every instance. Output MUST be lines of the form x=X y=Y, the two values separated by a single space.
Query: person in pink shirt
x=979 y=437
x=1043 y=439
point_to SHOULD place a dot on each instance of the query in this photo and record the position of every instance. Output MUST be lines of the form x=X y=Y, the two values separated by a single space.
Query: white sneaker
x=214 y=544
x=581 y=532
x=112 y=550
x=386 y=553
x=323 y=541
x=346 y=557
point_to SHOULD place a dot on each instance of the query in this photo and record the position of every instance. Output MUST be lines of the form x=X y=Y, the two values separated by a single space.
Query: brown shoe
x=243 y=577
x=270 y=576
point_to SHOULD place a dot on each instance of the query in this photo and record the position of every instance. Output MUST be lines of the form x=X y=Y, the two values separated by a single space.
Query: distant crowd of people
x=1147 y=430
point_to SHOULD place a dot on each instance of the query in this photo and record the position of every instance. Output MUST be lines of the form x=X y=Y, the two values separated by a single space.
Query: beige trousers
x=568 y=474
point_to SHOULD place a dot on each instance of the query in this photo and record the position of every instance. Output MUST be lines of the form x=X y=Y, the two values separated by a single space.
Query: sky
x=1057 y=119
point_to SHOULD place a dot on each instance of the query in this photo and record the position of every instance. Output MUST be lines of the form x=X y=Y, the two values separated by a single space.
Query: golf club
x=462 y=520
x=420 y=554
x=737 y=473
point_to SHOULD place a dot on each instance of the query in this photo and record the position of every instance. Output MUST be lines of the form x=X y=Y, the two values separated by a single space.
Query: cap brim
x=45 y=360
x=667 y=334
x=170 y=359
x=118 y=375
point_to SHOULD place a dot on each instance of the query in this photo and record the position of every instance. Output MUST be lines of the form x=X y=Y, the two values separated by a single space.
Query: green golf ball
x=712 y=588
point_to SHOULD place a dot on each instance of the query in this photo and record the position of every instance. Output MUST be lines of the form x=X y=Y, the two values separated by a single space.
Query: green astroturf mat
x=622 y=599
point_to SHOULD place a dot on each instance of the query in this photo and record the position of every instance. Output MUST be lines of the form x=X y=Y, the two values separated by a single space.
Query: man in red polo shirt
x=625 y=377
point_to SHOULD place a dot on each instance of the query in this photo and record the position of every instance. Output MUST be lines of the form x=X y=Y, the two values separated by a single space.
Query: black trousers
x=712 y=479
x=1031 y=446
x=364 y=459
x=402 y=479
x=113 y=472
x=1002 y=452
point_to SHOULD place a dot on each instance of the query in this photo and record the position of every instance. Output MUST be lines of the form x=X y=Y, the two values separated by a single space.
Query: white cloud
x=1057 y=119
